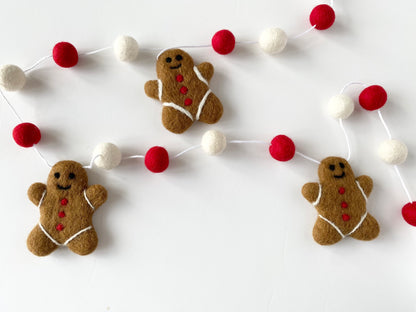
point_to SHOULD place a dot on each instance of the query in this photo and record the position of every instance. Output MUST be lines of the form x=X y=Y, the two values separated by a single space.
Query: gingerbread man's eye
x=342 y=165
x=71 y=176
x=168 y=60
x=57 y=175
x=178 y=57
x=331 y=167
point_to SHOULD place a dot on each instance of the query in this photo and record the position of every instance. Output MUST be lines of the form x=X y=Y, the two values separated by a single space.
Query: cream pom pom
x=393 y=152
x=110 y=156
x=273 y=40
x=126 y=48
x=213 y=142
x=12 y=77
x=340 y=106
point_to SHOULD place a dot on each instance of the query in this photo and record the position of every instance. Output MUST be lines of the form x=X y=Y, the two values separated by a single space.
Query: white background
x=227 y=233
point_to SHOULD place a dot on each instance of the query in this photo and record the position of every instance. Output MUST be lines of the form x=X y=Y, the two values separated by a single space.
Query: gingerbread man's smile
x=63 y=187
x=175 y=67
x=340 y=176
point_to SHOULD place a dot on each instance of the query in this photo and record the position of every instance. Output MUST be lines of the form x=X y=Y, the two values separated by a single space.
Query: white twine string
x=11 y=106
x=384 y=124
x=308 y=158
x=350 y=84
x=346 y=138
x=304 y=33
x=396 y=168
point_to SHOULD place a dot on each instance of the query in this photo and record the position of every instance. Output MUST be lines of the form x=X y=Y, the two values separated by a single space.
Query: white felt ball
x=392 y=152
x=12 y=77
x=110 y=156
x=213 y=142
x=273 y=40
x=340 y=106
x=126 y=48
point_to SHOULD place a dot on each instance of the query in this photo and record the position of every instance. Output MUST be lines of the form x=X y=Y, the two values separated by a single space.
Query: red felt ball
x=282 y=148
x=26 y=134
x=322 y=16
x=373 y=97
x=156 y=159
x=409 y=213
x=223 y=42
x=65 y=54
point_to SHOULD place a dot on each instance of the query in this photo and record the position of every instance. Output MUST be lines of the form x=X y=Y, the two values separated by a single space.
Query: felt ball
x=156 y=159
x=322 y=16
x=393 y=152
x=213 y=142
x=12 y=77
x=26 y=134
x=126 y=48
x=373 y=97
x=273 y=40
x=110 y=156
x=282 y=148
x=223 y=42
x=65 y=54
x=340 y=106
x=409 y=213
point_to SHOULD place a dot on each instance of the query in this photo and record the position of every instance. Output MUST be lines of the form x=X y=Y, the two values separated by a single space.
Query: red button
x=179 y=78
x=345 y=217
x=59 y=227
x=188 y=101
x=61 y=214
x=64 y=202
x=341 y=190
x=184 y=90
x=344 y=205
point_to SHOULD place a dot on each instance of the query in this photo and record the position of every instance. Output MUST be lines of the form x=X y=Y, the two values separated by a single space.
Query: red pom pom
x=26 y=134
x=323 y=16
x=223 y=42
x=373 y=97
x=156 y=159
x=65 y=54
x=282 y=148
x=409 y=213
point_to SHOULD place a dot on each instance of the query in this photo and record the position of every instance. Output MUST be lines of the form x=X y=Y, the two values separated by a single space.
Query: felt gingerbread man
x=66 y=204
x=340 y=199
x=183 y=89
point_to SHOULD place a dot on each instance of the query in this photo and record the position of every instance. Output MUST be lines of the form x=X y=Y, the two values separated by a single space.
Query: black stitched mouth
x=64 y=187
x=175 y=67
x=340 y=176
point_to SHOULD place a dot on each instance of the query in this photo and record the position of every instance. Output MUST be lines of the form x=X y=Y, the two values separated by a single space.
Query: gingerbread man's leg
x=212 y=110
x=85 y=243
x=368 y=230
x=174 y=120
x=39 y=244
x=324 y=233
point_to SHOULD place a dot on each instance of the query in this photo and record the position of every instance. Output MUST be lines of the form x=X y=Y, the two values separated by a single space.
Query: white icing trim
x=160 y=88
x=333 y=225
x=181 y=109
x=362 y=191
x=201 y=105
x=76 y=234
x=316 y=202
x=41 y=199
x=199 y=75
x=88 y=201
x=359 y=224
x=48 y=236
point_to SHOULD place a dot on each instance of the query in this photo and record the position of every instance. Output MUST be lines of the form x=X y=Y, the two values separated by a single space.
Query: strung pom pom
x=393 y=152
x=110 y=156
x=322 y=17
x=409 y=213
x=12 y=77
x=223 y=42
x=156 y=159
x=273 y=40
x=26 y=134
x=373 y=97
x=65 y=54
x=213 y=142
x=282 y=148
x=340 y=106
x=126 y=48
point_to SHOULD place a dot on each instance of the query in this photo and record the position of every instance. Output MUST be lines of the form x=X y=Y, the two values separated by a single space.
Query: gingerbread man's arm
x=35 y=192
x=152 y=89
x=207 y=70
x=96 y=195
x=311 y=192
x=366 y=184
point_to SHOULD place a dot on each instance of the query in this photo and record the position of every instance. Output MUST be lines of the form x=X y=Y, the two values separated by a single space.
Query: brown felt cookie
x=66 y=205
x=340 y=199
x=183 y=89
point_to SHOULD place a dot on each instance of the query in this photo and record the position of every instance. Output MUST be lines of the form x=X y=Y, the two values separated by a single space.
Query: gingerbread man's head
x=173 y=62
x=335 y=170
x=67 y=176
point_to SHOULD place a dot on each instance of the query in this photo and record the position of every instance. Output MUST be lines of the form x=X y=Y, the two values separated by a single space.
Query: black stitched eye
x=342 y=165
x=57 y=175
x=71 y=176
x=178 y=57
x=331 y=167
x=168 y=60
